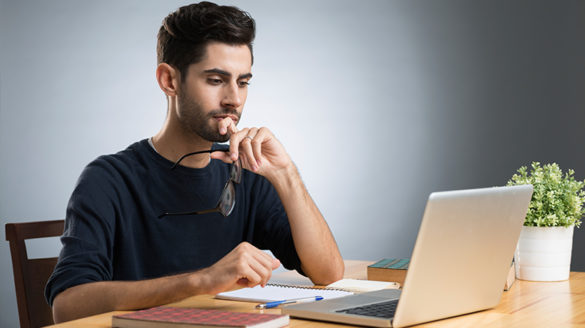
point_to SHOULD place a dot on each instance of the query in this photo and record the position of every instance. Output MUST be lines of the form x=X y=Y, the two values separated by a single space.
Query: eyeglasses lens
x=227 y=199
x=236 y=172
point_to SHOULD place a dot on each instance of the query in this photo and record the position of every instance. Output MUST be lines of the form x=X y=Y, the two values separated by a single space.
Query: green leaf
x=557 y=199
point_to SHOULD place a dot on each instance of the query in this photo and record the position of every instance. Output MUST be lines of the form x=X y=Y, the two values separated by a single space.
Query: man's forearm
x=313 y=240
x=105 y=296
x=245 y=265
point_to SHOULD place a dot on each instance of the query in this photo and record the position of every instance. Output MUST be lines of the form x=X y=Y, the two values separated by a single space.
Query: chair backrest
x=31 y=275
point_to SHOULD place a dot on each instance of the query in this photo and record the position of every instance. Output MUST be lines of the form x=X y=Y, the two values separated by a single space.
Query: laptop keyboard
x=379 y=310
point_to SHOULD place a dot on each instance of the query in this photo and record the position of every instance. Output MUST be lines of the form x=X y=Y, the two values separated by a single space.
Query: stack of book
x=389 y=270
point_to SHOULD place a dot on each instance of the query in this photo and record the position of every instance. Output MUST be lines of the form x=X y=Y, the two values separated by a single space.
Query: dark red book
x=176 y=317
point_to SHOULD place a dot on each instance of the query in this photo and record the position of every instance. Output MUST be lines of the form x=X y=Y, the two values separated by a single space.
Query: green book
x=401 y=264
x=389 y=270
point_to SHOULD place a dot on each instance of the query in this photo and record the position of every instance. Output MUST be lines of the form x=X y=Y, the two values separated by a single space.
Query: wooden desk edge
x=356 y=269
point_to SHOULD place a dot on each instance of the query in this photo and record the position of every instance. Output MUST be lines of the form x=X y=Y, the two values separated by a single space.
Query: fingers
x=222 y=155
x=275 y=263
x=243 y=282
x=262 y=135
x=235 y=141
x=241 y=141
x=227 y=125
x=254 y=273
x=245 y=265
x=256 y=147
x=247 y=144
x=243 y=145
x=261 y=265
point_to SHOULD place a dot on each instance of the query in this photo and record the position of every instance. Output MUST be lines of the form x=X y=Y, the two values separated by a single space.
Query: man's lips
x=234 y=118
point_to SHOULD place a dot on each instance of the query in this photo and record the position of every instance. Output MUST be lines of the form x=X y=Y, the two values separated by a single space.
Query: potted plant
x=544 y=248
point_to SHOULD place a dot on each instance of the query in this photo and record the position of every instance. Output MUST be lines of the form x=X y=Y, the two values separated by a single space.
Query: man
x=138 y=231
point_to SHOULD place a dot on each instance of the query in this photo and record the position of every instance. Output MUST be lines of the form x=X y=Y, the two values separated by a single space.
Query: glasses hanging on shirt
x=227 y=200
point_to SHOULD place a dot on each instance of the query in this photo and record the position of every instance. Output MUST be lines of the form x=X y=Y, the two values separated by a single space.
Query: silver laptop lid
x=463 y=252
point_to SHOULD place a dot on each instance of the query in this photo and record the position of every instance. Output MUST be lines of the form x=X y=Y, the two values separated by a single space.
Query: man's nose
x=232 y=96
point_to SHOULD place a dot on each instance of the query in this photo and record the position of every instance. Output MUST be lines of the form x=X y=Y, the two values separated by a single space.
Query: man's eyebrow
x=245 y=76
x=227 y=74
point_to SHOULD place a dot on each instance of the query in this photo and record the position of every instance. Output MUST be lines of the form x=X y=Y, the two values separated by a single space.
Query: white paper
x=272 y=293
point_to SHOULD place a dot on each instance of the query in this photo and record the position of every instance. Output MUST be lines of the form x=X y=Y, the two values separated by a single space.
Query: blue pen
x=270 y=305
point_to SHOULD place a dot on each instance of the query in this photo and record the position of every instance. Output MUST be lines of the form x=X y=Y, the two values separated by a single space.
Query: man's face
x=215 y=89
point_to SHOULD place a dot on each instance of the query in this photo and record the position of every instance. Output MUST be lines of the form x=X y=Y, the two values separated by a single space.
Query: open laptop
x=459 y=264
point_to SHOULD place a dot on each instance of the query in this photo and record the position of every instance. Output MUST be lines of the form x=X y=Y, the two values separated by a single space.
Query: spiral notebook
x=276 y=292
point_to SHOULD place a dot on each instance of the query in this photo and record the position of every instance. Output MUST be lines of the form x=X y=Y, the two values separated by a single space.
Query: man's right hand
x=244 y=266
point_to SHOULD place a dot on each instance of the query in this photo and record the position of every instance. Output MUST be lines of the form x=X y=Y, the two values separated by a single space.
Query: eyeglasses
x=227 y=200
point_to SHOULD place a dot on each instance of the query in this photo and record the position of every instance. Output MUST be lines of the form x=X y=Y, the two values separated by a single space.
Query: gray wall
x=378 y=102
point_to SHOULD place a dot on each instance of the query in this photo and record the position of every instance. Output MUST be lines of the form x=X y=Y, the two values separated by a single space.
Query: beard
x=195 y=120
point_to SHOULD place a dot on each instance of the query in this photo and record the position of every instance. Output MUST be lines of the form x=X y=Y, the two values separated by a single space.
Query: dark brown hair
x=184 y=34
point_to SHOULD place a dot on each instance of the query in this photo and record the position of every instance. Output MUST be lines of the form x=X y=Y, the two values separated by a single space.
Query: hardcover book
x=389 y=270
x=176 y=317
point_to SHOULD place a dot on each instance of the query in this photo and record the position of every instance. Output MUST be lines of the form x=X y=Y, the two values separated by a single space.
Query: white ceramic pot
x=544 y=253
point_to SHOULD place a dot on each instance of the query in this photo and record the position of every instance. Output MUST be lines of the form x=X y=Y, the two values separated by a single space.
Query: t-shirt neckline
x=167 y=164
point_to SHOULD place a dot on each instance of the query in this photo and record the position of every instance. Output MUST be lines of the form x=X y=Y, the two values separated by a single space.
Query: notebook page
x=278 y=293
x=360 y=286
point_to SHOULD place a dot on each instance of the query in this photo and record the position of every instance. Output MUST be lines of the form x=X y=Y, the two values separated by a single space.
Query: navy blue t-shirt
x=112 y=229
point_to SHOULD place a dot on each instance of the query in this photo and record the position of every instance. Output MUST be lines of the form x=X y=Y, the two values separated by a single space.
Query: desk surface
x=526 y=304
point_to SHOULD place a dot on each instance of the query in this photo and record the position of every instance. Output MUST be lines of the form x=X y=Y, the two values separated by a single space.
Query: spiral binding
x=309 y=287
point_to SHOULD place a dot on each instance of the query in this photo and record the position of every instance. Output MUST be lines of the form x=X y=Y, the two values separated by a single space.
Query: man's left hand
x=258 y=149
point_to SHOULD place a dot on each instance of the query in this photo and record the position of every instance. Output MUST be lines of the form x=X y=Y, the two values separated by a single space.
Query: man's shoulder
x=132 y=160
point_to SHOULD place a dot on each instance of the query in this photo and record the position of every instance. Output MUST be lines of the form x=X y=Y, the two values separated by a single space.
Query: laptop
x=459 y=263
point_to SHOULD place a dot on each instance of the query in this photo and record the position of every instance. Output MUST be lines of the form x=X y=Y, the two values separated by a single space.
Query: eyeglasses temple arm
x=188 y=213
x=195 y=153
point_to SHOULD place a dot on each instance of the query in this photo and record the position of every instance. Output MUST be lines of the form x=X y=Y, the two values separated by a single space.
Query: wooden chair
x=31 y=275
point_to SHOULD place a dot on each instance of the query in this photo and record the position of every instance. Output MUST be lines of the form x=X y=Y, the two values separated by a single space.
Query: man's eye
x=214 y=81
x=244 y=83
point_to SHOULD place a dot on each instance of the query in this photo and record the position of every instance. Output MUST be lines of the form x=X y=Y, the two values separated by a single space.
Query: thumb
x=222 y=155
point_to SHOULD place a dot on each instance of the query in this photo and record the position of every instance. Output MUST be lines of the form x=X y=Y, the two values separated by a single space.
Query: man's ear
x=168 y=79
